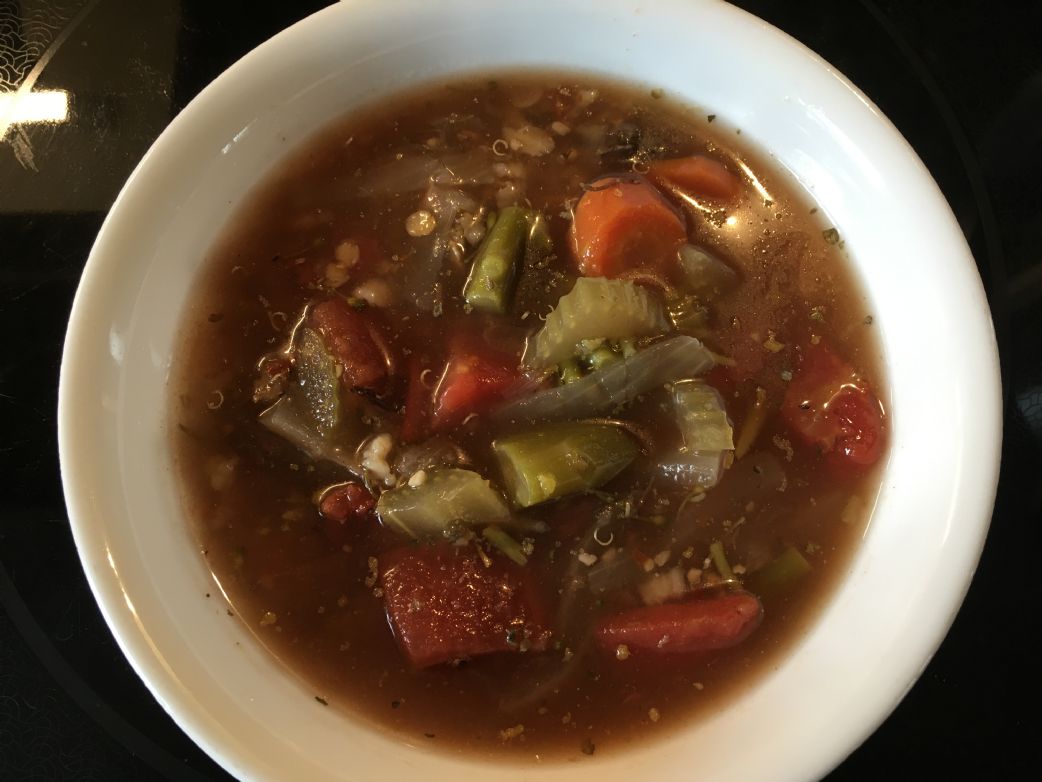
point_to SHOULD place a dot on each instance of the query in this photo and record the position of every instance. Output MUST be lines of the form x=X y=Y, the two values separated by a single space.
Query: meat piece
x=444 y=604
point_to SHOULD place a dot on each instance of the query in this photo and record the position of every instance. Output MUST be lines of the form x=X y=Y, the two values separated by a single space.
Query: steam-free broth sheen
x=528 y=415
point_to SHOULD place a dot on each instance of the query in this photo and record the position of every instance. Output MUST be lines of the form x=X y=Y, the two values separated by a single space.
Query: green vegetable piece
x=689 y=316
x=603 y=357
x=559 y=459
x=701 y=417
x=316 y=374
x=596 y=307
x=448 y=497
x=538 y=244
x=495 y=266
x=703 y=272
x=505 y=543
x=570 y=372
x=716 y=552
x=781 y=572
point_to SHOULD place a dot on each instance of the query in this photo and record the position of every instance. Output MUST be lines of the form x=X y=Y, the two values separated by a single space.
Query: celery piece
x=501 y=540
x=559 y=459
x=780 y=572
x=596 y=307
x=704 y=272
x=317 y=377
x=701 y=417
x=450 y=496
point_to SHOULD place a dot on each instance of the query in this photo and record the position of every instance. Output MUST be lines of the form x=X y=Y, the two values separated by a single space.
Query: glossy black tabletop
x=961 y=80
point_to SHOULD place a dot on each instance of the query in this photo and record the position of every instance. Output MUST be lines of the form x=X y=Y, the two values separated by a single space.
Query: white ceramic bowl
x=912 y=569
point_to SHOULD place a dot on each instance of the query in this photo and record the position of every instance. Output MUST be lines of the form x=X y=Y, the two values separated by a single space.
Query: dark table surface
x=961 y=80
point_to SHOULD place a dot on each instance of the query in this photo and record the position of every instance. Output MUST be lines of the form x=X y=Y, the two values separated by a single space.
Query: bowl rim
x=108 y=592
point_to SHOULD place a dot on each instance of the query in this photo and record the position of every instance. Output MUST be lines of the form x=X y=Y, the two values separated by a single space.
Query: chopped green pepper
x=449 y=496
x=558 y=459
x=603 y=357
x=787 y=567
x=570 y=371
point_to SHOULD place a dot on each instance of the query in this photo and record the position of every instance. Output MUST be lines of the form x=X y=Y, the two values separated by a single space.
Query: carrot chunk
x=623 y=225
x=697 y=175
x=699 y=625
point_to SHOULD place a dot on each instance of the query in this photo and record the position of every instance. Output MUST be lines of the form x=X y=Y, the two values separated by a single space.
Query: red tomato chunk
x=474 y=380
x=344 y=507
x=349 y=337
x=444 y=604
x=699 y=625
x=828 y=406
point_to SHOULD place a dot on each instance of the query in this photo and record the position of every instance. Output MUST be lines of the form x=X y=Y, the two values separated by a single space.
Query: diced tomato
x=698 y=625
x=416 y=413
x=351 y=338
x=622 y=225
x=444 y=604
x=344 y=507
x=696 y=176
x=475 y=378
x=830 y=407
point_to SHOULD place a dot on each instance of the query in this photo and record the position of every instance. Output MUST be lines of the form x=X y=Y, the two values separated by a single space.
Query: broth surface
x=351 y=192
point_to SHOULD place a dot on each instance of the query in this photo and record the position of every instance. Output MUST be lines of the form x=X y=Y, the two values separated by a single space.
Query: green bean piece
x=781 y=572
x=495 y=266
x=316 y=375
x=501 y=540
x=716 y=552
x=559 y=459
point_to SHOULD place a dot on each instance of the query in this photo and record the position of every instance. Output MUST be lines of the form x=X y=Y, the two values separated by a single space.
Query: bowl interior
x=877 y=632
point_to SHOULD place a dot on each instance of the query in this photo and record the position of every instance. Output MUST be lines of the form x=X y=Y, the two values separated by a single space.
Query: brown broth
x=250 y=495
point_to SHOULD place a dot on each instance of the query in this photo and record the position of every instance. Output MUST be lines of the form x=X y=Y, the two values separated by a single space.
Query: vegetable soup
x=529 y=415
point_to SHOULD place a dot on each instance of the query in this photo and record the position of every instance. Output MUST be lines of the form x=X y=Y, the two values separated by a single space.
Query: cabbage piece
x=701 y=417
x=704 y=272
x=707 y=435
x=607 y=389
x=447 y=498
x=694 y=469
x=319 y=384
x=596 y=307
x=287 y=419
